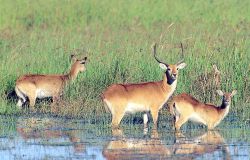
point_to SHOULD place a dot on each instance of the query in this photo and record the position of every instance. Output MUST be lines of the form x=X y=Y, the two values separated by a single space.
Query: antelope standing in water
x=34 y=86
x=185 y=107
x=144 y=97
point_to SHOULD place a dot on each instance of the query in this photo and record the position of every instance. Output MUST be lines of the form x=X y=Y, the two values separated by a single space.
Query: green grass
x=38 y=37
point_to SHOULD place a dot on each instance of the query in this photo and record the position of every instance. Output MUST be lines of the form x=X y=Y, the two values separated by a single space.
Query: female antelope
x=149 y=96
x=40 y=86
x=185 y=107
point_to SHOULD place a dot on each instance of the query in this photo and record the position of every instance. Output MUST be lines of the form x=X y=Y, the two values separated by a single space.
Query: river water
x=57 y=138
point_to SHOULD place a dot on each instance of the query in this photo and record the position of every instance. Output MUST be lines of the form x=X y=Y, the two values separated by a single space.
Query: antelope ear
x=163 y=66
x=73 y=58
x=220 y=92
x=181 y=65
x=83 y=61
x=233 y=92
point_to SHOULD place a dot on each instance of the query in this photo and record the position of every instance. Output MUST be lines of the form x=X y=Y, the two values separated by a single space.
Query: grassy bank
x=39 y=36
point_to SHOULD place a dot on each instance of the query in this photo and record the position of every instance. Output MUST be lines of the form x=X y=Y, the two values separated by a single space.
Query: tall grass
x=38 y=37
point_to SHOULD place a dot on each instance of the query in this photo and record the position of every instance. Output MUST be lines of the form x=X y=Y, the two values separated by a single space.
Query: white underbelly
x=196 y=118
x=135 y=107
x=40 y=93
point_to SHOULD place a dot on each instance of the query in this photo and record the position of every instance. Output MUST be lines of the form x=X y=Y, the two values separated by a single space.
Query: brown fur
x=185 y=107
x=149 y=96
x=49 y=85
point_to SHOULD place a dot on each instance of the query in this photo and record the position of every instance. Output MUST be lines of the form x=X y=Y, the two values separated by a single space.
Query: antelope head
x=78 y=64
x=171 y=70
x=226 y=97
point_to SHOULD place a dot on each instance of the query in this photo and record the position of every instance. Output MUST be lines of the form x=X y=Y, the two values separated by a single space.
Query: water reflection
x=46 y=131
x=208 y=143
x=135 y=148
x=155 y=148
x=49 y=138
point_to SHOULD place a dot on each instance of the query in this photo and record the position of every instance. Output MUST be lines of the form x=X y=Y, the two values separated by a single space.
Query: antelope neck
x=169 y=79
x=224 y=105
x=166 y=83
x=73 y=73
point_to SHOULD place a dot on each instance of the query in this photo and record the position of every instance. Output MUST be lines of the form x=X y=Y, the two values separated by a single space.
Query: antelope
x=185 y=107
x=34 y=86
x=144 y=97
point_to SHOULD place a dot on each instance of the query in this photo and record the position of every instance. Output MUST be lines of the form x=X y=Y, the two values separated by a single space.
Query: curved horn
x=154 y=52
x=182 y=54
x=181 y=61
x=182 y=50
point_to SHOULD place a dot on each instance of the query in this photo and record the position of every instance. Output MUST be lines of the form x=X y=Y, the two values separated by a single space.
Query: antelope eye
x=169 y=69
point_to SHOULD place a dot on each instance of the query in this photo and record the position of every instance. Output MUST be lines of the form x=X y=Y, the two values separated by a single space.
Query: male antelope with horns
x=34 y=86
x=142 y=97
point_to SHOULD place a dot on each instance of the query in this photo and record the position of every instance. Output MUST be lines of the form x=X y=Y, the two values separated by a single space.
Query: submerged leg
x=179 y=122
x=210 y=127
x=116 y=118
x=54 y=105
x=19 y=103
x=32 y=99
x=145 y=122
x=155 y=117
x=21 y=98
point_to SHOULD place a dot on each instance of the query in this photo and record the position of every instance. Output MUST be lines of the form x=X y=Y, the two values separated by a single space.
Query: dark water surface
x=50 y=138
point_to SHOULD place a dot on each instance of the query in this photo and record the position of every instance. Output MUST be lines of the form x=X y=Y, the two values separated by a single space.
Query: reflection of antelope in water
x=207 y=83
x=209 y=142
x=135 y=148
x=40 y=129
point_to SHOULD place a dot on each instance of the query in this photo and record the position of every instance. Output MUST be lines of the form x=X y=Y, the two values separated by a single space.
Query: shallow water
x=50 y=138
